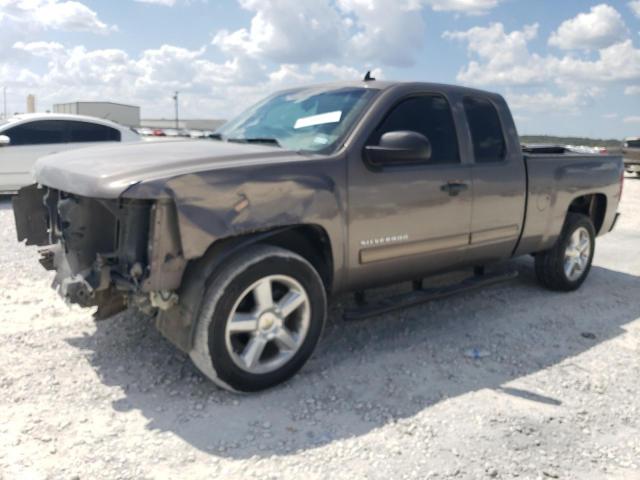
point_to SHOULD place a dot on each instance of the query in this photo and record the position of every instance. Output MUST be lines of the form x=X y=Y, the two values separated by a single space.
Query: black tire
x=210 y=352
x=549 y=265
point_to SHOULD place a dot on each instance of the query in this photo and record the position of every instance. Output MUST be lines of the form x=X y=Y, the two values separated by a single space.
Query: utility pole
x=175 y=99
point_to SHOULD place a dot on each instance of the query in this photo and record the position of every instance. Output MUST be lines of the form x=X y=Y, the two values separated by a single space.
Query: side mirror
x=4 y=140
x=399 y=148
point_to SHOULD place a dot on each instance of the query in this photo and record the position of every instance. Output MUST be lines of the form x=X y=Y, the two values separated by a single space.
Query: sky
x=566 y=67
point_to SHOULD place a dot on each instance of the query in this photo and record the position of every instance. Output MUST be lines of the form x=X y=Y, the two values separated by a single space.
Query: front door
x=406 y=221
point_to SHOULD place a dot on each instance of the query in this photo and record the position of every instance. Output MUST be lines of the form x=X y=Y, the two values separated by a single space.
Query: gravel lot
x=554 y=394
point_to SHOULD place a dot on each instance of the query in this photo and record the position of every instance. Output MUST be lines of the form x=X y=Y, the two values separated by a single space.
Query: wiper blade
x=266 y=140
x=215 y=136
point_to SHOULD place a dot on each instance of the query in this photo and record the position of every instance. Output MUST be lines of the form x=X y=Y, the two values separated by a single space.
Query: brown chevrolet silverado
x=234 y=244
x=631 y=154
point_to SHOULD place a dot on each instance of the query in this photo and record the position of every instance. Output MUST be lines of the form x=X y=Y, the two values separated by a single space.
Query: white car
x=26 y=138
x=145 y=132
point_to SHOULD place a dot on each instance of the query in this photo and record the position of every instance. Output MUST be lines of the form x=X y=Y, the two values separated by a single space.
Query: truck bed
x=553 y=181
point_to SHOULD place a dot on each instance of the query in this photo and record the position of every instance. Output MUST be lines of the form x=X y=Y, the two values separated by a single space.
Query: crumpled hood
x=107 y=171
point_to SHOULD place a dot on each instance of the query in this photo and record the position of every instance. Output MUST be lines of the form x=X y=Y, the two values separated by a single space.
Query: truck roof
x=389 y=84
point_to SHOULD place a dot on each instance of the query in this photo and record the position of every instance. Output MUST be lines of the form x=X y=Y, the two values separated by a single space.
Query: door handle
x=454 y=187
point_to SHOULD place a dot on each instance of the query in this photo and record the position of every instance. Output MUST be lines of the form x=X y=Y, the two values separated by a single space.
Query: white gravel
x=554 y=394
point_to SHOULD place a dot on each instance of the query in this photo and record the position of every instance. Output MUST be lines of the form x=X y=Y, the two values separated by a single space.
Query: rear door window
x=91 y=132
x=486 y=131
x=38 y=133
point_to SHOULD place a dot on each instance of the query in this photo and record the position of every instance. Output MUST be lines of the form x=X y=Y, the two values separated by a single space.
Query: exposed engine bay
x=109 y=253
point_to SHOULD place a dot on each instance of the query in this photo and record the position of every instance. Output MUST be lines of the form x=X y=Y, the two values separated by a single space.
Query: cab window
x=429 y=115
x=486 y=131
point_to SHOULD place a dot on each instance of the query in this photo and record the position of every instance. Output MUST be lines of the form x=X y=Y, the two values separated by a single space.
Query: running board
x=424 y=295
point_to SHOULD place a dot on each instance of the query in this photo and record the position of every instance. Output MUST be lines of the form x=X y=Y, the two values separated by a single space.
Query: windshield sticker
x=322 y=119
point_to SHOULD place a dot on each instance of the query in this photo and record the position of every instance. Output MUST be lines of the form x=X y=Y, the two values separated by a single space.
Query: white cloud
x=635 y=7
x=546 y=101
x=40 y=49
x=600 y=28
x=616 y=63
x=16 y=77
x=632 y=90
x=51 y=14
x=59 y=73
x=610 y=116
x=632 y=119
x=166 y=3
x=22 y=20
x=208 y=88
x=289 y=75
x=370 y=32
x=286 y=31
x=505 y=59
x=341 y=72
x=471 y=7
x=385 y=32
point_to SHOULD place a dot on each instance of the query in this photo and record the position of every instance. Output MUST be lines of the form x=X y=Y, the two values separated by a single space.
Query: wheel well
x=594 y=206
x=310 y=242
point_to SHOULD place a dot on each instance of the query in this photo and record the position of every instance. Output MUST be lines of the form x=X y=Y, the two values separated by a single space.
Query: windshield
x=307 y=119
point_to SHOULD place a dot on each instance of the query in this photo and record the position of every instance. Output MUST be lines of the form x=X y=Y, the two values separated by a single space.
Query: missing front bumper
x=106 y=253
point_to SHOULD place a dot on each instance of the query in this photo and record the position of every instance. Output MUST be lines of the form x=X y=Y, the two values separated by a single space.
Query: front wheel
x=566 y=266
x=261 y=318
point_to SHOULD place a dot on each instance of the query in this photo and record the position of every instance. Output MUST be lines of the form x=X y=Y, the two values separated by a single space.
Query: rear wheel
x=566 y=266
x=261 y=319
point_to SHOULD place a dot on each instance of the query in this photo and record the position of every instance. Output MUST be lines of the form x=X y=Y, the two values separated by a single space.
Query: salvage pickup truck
x=631 y=155
x=234 y=244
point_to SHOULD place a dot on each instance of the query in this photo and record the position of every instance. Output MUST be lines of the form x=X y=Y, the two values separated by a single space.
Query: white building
x=187 y=123
x=128 y=115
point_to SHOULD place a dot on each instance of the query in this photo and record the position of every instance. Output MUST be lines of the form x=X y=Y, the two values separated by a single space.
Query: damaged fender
x=221 y=211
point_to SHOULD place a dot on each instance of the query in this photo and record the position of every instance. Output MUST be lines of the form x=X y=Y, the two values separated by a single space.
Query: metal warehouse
x=128 y=115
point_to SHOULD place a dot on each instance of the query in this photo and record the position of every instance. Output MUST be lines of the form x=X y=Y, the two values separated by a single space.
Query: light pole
x=175 y=99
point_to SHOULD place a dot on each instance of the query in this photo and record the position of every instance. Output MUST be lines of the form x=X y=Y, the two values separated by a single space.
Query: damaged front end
x=109 y=253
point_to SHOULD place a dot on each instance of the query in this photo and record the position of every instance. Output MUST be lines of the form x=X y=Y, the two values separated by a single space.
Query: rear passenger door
x=499 y=179
x=408 y=220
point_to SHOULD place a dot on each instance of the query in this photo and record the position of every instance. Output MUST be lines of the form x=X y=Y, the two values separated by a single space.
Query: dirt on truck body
x=235 y=244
